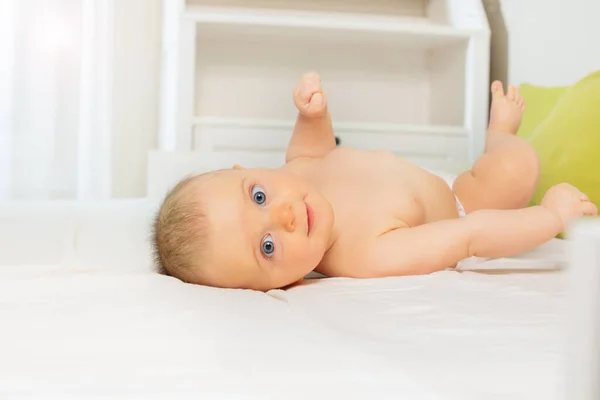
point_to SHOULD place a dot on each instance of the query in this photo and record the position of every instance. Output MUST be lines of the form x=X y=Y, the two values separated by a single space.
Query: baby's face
x=267 y=228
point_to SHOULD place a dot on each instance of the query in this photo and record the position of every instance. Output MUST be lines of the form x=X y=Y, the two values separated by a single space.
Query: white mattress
x=495 y=333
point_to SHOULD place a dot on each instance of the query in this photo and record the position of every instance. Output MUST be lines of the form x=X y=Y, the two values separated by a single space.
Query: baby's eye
x=258 y=195
x=267 y=246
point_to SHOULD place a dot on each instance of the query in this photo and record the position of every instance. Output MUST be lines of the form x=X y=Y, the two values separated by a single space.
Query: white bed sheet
x=494 y=333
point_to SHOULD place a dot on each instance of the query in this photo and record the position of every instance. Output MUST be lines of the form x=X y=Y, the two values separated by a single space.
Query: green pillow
x=540 y=102
x=568 y=140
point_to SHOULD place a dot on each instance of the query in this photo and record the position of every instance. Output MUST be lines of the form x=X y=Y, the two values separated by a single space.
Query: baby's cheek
x=302 y=253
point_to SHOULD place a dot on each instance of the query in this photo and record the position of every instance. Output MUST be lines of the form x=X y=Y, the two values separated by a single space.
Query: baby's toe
x=518 y=95
x=497 y=90
x=590 y=209
x=511 y=93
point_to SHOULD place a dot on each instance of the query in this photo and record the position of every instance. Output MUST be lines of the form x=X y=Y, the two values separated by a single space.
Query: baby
x=344 y=212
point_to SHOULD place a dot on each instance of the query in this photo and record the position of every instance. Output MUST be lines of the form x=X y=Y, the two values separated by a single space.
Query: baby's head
x=242 y=228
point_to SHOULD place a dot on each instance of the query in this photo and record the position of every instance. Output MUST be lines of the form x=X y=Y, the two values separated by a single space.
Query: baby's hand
x=309 y=96
x=568 y=203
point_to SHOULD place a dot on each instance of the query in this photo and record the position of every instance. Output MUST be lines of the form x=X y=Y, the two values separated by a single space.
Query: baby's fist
x=568 y=203
x=309 y=97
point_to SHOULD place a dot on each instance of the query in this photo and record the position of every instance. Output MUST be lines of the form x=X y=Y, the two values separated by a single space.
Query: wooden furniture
x=409 y=76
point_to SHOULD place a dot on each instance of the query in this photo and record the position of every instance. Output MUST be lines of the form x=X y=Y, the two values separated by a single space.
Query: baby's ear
x=236 y=166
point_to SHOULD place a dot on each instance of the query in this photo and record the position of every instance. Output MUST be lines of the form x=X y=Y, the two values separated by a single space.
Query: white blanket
x=69 y=332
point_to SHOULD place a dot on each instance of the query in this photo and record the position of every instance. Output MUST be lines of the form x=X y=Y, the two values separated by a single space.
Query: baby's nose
x=283 y=215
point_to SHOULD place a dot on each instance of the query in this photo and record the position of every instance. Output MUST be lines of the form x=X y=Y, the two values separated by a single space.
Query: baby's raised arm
x=485 y=233
x=313 y=134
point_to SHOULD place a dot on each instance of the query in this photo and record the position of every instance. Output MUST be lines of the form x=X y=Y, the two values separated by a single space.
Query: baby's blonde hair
x=180 y=232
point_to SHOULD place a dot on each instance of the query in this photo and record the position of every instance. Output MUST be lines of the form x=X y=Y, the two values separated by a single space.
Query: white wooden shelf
x=344 y=126
x=227 y=138
x=410 y=29
x=408 y=76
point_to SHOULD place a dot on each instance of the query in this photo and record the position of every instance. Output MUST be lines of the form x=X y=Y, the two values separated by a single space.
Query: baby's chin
x=300 y=273
x=290 y=283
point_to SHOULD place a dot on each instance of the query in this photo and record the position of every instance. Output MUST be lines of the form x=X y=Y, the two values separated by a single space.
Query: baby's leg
x=506 y=176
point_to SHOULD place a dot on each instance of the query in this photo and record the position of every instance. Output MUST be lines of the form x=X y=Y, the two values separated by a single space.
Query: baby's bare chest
x=371 y=190
x=373 y=193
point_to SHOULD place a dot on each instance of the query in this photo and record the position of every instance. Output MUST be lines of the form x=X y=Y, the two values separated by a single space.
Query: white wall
x=136 y=88
x=544 y=42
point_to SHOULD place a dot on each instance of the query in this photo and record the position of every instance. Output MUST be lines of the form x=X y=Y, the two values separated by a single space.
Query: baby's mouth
x=310 y=218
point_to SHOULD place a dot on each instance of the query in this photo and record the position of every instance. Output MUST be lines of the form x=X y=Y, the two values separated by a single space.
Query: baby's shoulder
x=344 y=259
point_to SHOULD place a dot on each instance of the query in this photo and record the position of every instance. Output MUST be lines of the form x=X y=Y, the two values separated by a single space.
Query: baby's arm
x=313 y=134
x=485 y=233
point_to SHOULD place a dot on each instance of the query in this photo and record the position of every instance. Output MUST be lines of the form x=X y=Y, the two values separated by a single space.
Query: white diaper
x=449 y=179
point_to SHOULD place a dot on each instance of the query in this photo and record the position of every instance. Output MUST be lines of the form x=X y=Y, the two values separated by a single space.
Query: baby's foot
x=568 y=203
x=506 y=110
